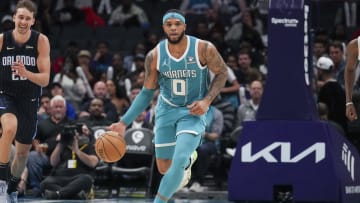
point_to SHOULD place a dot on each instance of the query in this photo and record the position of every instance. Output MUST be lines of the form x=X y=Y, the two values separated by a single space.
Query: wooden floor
x=121 y=200
x=138 y=197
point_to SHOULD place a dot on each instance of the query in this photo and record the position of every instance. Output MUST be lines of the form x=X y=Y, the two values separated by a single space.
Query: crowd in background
x=99 y=83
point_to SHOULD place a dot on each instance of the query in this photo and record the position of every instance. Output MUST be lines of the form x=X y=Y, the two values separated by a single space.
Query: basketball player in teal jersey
x=24 y=70
x=179 y=66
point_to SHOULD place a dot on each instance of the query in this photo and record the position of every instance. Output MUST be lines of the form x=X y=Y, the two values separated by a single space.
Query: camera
x=68 y=133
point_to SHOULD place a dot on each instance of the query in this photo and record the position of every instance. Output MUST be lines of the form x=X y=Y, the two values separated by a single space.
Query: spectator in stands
x=100 y=92
x=102 y=59
x=258 y=57
x=129 y=14
x=56 y=89
x=209 y=149
x=74 y=161
x=97 y=116
x=119 y=100
x=336 y=53
x=331 y=93
x=45 y=142
x=248 y=110
x=84 y=59
x=135 y=90
x=73 y=86
x=246 y=73
x=319 y=49
x=44 y=108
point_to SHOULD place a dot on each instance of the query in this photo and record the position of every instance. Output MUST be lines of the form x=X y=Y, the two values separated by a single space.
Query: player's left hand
x=199 y=107
x=19 y=69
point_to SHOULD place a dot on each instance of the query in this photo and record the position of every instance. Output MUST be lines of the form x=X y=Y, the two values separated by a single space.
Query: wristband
x=349 y=103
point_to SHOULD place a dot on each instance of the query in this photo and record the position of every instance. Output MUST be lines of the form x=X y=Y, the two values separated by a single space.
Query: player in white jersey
x=352 y=58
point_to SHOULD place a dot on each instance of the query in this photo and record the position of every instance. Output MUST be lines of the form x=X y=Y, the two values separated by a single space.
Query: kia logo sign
x=285 y=153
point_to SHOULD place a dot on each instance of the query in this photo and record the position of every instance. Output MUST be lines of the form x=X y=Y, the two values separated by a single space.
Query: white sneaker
x=184 y=190
x=12 y=198
x=196 y=187
x=3 y=191
x=187 y=172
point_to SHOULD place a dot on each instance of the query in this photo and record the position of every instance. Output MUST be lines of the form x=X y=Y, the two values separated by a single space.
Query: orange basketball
x=110 y=146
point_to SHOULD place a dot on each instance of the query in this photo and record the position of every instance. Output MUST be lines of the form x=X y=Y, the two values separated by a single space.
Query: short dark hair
x=28 y=4
x=337 y=44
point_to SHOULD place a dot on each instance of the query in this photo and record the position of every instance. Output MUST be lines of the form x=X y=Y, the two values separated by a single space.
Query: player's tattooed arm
x=151 y=76
x=217 y=65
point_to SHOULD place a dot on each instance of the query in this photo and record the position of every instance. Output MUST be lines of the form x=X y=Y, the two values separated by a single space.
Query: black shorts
x=25 y=110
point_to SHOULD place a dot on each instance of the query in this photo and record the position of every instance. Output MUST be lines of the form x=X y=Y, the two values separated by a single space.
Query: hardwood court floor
x=120 y=200
x=180 y=197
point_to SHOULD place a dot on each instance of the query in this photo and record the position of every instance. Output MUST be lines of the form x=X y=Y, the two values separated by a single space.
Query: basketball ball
x=110 y=146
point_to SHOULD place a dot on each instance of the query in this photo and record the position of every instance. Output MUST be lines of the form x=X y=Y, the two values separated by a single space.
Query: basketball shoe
x=3 y=189
x=12 y=197
x=187 y=172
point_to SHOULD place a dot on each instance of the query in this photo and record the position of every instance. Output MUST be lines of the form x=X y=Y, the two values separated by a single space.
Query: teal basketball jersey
x=181 y=80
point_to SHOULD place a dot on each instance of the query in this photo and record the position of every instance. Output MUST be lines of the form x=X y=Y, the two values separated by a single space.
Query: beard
x=176 y=41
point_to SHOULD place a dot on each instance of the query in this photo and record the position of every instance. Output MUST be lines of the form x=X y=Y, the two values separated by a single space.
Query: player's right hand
x=118 y=127
x=351 y=112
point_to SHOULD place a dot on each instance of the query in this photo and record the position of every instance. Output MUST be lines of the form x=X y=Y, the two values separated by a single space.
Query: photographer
x=74 y=160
